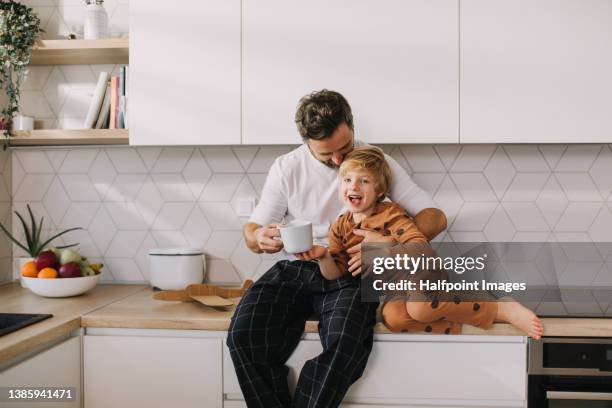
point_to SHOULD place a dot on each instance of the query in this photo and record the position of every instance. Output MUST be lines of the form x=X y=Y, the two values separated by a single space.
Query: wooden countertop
x=66 y=312
x=140 y=310
x=132 y=306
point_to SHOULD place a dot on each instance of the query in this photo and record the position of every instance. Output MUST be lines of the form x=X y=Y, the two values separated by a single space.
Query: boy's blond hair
x=372 y=160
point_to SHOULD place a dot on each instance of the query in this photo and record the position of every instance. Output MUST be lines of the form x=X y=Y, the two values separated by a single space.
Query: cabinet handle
x=574 y=395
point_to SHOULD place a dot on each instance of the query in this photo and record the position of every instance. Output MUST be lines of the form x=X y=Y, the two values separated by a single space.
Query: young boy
x=364 y=181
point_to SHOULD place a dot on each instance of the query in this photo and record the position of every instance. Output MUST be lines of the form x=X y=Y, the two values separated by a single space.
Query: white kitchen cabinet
x=184 y=82
x=57 y=366
x=242 y=404
x=438 y=371
x=148 y=371
x=536 y=71
x=395 y=61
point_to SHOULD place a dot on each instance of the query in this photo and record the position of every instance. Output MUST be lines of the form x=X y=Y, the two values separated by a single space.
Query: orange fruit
x=47 y=273
x=29 y=270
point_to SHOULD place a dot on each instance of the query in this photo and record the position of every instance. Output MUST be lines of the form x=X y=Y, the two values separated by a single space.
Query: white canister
x=21 y=122
x=176 y=268
x=96 y=21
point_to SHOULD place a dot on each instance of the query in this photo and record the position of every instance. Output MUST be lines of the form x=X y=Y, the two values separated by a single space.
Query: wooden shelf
x=69 y=52
x=53 y=137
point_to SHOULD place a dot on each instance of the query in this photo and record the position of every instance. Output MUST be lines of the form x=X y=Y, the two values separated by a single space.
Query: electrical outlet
x=246 y=206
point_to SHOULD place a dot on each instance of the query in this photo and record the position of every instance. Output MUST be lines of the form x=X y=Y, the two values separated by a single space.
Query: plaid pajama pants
x=269 y=322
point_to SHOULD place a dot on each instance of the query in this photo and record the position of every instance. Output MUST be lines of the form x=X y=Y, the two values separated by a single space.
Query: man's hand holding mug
x=265 y=237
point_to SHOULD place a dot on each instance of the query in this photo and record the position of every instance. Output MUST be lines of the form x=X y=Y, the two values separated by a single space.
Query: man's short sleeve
x=272 y=205
x=405 y=192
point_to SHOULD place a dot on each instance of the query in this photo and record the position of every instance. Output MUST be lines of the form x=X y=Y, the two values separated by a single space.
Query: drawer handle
x=574 y=395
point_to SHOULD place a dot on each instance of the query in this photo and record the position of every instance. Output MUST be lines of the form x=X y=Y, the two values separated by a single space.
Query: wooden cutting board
x=213 y=301
x=210 y=295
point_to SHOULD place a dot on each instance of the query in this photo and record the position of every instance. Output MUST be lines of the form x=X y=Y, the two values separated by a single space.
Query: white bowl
x=61 y=287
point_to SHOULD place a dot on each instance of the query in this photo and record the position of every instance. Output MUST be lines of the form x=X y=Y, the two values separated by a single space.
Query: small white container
x=175 y=268
x=96 y=21
x=21 y=122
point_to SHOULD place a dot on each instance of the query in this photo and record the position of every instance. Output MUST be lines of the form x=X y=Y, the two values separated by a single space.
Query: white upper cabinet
x=396 y=61
x=536 y=71
x=184 y=72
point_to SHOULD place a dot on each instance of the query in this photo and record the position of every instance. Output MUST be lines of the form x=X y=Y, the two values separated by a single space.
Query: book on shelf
x=126 y=86
x=113 y=103
x=96 y=102
x=109 y=102
x=102 y=122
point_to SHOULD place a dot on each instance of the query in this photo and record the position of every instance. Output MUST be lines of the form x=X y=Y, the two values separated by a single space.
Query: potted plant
x=19 y=30
x=33 y=244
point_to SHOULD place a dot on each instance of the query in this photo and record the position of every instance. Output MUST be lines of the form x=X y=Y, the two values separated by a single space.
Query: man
x=269 y=321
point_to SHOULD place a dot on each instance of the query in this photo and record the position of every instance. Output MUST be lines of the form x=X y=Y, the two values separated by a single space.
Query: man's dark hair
x=320 y=113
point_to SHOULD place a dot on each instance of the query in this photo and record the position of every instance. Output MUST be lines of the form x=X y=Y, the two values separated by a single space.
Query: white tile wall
x=129 y=200
x=132 y=199
x=5 y=215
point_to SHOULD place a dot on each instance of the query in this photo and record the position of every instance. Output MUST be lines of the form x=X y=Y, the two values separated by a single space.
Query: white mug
x=21 y=122
x=296 y=236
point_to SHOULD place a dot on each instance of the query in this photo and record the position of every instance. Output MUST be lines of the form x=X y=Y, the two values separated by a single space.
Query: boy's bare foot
x=511 y=311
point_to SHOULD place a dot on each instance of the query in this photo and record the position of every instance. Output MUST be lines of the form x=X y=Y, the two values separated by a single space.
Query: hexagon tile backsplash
x=130 y=199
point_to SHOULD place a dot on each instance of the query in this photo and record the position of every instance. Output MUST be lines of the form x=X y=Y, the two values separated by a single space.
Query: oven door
x=569 y=392
x=570 y=373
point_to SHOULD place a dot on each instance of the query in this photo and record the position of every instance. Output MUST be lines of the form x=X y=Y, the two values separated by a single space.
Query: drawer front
x=443 y=370
x=425 y=370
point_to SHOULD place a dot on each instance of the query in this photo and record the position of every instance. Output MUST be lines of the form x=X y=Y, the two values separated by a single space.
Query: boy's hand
x=316 y=252
x=355 y=251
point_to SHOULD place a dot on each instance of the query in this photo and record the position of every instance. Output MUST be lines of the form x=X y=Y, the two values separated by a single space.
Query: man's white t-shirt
x=299 y=186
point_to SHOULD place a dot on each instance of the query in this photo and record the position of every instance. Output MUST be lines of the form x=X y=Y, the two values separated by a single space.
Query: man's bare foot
x=511 y=311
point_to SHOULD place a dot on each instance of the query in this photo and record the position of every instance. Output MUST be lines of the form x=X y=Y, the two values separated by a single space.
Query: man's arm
x=419 y=205
x=431 y=222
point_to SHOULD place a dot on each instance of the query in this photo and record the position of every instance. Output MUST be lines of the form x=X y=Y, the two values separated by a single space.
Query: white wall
x=5 y=218
x=131 y=199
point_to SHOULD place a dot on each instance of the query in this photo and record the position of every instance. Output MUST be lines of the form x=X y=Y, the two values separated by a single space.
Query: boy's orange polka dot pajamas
x=398 y=314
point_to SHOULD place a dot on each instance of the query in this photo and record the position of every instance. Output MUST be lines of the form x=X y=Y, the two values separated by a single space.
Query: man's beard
x=329 y=163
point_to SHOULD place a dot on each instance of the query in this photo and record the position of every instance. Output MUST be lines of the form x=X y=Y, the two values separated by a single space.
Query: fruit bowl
x=63 y=287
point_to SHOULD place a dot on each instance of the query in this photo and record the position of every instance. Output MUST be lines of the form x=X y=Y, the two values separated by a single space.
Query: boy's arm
x=327 y=263
x=333 y=262
x=329 y=267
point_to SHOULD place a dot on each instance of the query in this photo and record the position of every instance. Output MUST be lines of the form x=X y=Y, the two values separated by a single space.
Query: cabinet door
x=152 y=372
x=184 y=83
x=396 y=62
x=58 y=366
x=536 y=71
x=426 y=372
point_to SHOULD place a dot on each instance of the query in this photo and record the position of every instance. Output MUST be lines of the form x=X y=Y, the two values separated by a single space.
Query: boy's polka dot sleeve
x=336 y=246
